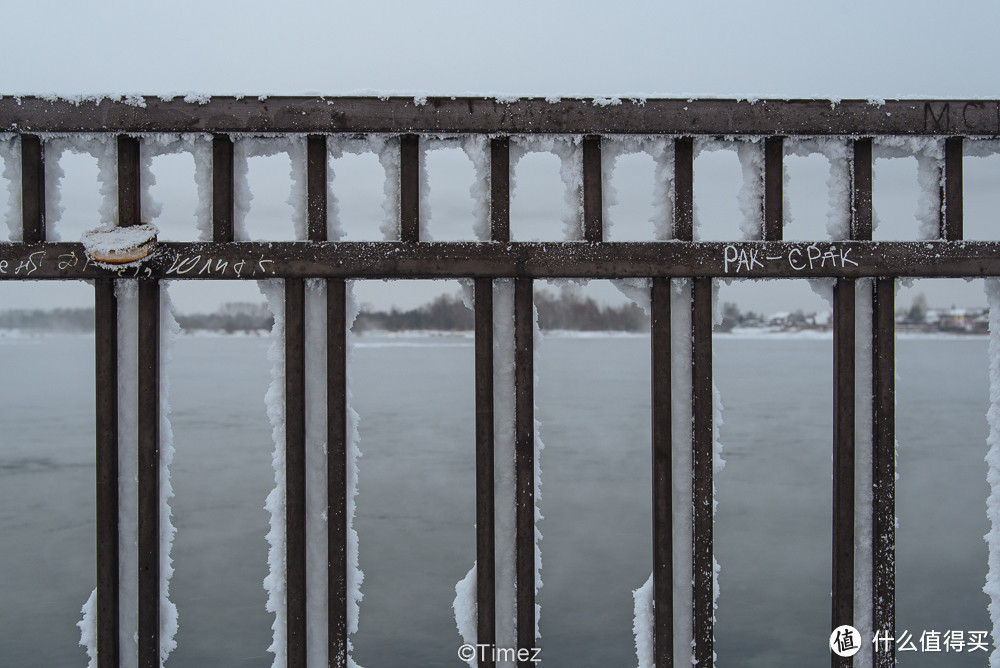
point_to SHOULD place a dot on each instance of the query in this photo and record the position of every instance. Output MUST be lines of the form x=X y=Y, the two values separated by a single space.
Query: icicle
x=10 y=154
x=102 y=147
x=718 y=463
x=863 y=466
x=477 y=147
x=538 y=447
x=992 y=587
x=354 y=574
x=245 y=148
x=570 y=153
x=200 y=148
x=611 y=149
x=838 y=182
x=389 y=156
x=642 y=623
x=751 y=197
x=504 y=472
x=274 y=290
x=466 y=611
x=88 y=629
x=169 y=329
x=316 y=473
x=663 y=192
x=929 y=153
x=661 y=151
x=424 y=188
x=127 y=292
x=466 y=604
x=681 y=444
x=275 y=584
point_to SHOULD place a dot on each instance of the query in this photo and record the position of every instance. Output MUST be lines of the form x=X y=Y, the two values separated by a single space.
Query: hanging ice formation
x=316 y=447
x=126 y=292
x=992 y=587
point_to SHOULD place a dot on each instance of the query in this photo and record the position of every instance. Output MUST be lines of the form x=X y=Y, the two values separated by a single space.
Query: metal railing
x=856 y=121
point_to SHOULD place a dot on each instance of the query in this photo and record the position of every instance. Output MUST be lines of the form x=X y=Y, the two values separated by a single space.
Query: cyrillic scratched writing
x=28 y=266
x=201 y=265
x=739 y=260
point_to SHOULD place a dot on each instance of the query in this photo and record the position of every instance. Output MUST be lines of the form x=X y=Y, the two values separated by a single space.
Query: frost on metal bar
x=503 y=397
x=128 y=355
x=992 y=587
x=10 y=157
x=863 y=466
x=143 y=513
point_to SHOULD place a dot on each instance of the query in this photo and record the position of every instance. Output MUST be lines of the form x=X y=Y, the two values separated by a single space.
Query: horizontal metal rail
x=490 y=115
x=362 y=260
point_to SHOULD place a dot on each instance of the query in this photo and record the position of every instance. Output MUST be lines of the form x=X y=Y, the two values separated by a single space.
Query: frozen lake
x=416 y=509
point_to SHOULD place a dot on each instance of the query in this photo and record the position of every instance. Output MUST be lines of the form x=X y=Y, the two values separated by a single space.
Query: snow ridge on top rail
x=502 y=116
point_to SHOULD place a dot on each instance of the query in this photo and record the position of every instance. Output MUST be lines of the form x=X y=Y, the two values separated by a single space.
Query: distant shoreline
x=748 y=333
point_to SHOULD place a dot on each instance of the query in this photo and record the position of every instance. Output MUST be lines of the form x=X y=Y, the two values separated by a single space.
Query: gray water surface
x=416 y=512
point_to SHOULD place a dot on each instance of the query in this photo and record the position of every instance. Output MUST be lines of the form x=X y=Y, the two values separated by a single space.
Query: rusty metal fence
x=856 y=121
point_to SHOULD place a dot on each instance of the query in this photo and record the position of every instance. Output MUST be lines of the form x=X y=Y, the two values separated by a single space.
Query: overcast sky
x=828 y=49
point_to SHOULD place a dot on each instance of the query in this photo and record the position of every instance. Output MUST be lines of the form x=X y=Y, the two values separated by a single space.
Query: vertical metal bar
x=485 y=503
x=842 y=599
x=952 y=228
x=128 y=181
x=336 y=412
x=884 y=472
x=500 y=189
x=106 y=459
x=316 y=182
x=295 y=471
x=149 y=473
x=702 y=470
x=684 y=188
x=774 y=154
x=524 y=462
x=663 y=554
x=32 y=189
x=593 y=215
x=223 y=196
x=861 y=190
x=409 y=188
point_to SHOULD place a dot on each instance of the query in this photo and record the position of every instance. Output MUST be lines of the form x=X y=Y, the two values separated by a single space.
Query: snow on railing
x=314 y=581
